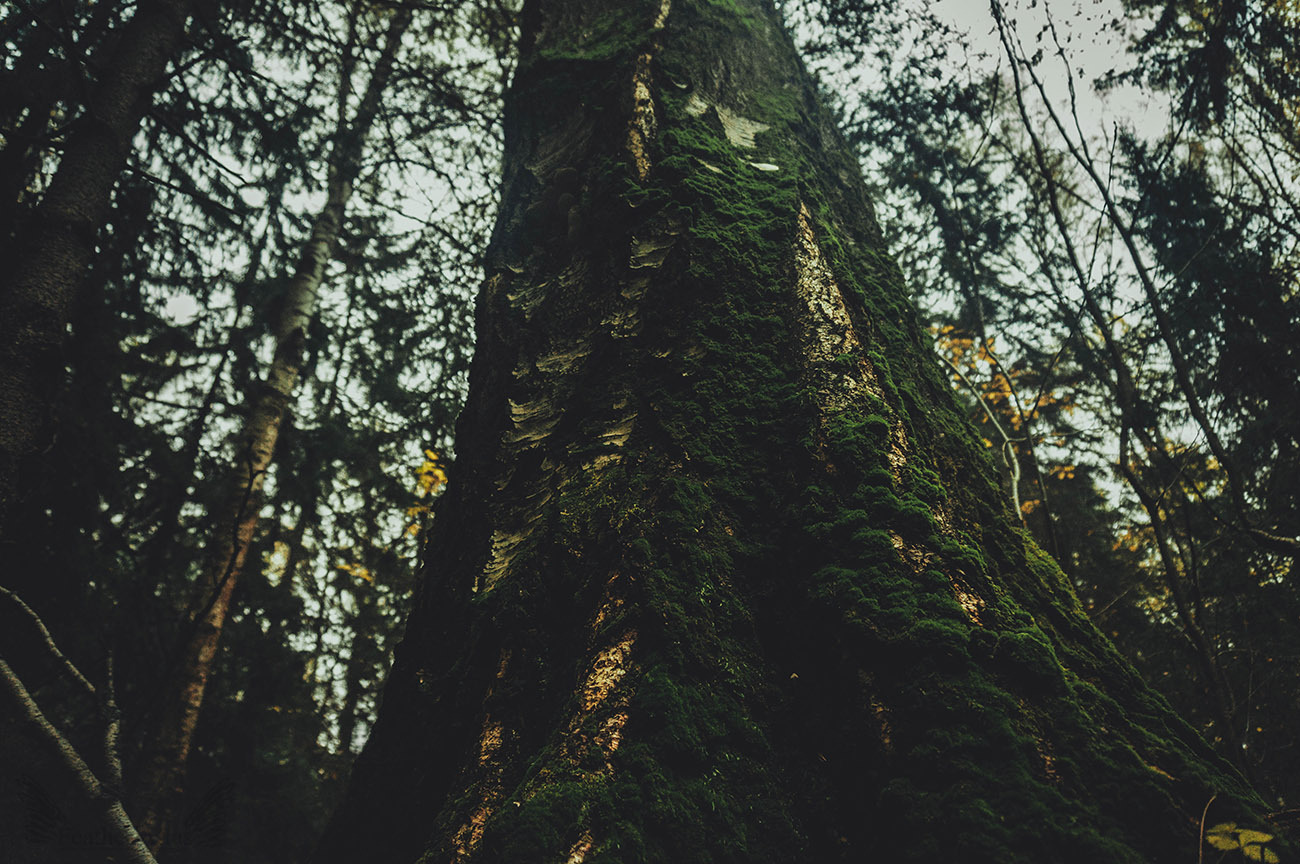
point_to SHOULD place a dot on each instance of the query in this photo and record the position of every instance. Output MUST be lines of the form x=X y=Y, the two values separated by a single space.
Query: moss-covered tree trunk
x=722 y=574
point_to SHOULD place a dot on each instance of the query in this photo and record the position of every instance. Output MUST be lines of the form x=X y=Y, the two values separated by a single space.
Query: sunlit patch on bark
x=603 y=460
x=489 y=767
x=971 y=603
x=469 y=835
x=829 y=333
x=831 y=338
x=611 y=733
x=613 y=602
x=609 y=668
x=563 y=360
x=501 y=666
x=526 y=297
x=644 y=124
x=661 y=18
x=650 y=251
x=489 y=742
x=505 y=547
x=920 y=559
x=881 y=713
x=578 y=853
x=1048 y=759
x=487 y=774
x=531 y=421
x=617 y=433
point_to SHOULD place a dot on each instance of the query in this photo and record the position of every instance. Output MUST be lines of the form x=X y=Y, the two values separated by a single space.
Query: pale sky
x=1093 y=34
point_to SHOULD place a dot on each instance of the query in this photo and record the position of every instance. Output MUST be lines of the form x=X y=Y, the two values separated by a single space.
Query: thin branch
x=112 y=716
x=1200 y=849
x=116 y=821
x=50 y=645
x=1007 y=448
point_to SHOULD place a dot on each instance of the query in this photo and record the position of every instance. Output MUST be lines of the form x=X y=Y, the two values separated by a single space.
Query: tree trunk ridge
x=722 y=575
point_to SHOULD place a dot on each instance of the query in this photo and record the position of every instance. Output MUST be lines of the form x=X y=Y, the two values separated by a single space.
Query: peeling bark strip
x=36 y=302
x=750 y=566
x=161 y=781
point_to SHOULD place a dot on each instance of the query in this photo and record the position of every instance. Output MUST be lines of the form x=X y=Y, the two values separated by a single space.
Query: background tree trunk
x=161 y=782
x=722 y=574
x=36 y=300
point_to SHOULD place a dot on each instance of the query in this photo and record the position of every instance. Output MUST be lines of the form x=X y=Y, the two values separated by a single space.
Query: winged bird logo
x=207 y=824
x=46 y=821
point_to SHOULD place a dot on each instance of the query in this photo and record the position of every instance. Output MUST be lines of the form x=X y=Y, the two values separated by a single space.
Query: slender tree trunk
x=723 y=575
x=353 y=691
x=161 y=780
x=36 y=300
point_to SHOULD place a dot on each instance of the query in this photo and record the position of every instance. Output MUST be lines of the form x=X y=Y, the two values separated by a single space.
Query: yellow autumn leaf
x=357 y=570
x=1223 y=836
x=430 y=476
x=1221 y=841
x=1258 y=853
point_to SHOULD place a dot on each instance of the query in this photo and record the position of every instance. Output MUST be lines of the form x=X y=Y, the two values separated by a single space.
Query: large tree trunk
x=722 y=574
x=36 y=300
x=161 y=781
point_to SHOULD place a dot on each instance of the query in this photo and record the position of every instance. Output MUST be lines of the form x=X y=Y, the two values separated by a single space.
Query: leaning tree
x=722 y=574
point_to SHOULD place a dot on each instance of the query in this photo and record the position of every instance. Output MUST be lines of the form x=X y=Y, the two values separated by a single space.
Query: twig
x=112 y=729
x=67 y=664
x=1200 y=849
x=1008 y=450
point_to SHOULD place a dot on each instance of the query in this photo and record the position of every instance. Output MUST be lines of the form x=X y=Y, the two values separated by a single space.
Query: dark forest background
x=1115 y=305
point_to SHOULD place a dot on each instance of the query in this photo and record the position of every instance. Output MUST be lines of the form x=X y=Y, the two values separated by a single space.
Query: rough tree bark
x=722 y=575
x=160 y=782
x=36 y=300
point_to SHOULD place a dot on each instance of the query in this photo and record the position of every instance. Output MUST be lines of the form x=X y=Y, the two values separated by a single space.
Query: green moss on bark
x=836 y=643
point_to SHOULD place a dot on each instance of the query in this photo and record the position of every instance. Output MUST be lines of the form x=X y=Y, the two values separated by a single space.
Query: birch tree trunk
x=722 y=574
x=161 y=780
x=37 y=297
